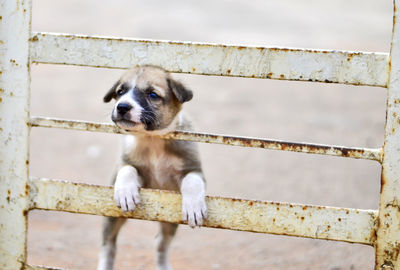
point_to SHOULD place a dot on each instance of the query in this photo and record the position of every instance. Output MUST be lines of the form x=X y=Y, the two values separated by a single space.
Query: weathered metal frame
x=387 y=248
x=15 y=28
x=20 y=47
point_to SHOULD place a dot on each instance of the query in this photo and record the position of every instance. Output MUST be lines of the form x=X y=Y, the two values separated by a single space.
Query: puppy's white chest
x=164 y=168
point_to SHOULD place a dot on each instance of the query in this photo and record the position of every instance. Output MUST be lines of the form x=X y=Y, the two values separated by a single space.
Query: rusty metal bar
x=341 y=151
x=387 y=249
x=357 y=68
x=320 y=222
x=15 y=25
x=40 y=267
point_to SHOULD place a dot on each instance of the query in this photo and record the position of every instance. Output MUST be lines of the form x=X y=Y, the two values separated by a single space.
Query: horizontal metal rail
x=37 y=267
x=320 y=222
x=356 y=68
x=341 y=151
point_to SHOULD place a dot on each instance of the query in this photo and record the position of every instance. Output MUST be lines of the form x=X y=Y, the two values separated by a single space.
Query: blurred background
x=295 y=111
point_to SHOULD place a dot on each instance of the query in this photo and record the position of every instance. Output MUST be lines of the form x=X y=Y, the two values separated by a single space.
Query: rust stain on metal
x=394 y=204
x=34 y=38
x=392 y=252
x=383 y=181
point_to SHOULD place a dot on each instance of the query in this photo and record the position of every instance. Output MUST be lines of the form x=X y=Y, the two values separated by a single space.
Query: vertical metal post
x=15 y=27
x=387 y=248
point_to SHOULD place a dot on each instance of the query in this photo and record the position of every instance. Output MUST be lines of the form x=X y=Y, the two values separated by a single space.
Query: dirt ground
x=310 y=112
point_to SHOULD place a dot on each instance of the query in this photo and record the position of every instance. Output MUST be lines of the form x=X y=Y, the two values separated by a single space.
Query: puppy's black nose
x=123 y=108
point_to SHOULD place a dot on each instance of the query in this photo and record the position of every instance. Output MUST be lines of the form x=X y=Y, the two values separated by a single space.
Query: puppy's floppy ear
x=180 y=91
x=111 y=93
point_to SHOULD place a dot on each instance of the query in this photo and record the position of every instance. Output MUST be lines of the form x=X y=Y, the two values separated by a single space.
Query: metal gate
x=19 y=47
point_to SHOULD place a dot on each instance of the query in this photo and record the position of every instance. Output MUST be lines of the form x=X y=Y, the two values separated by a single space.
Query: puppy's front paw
x=127 y=197
x=194 y=210
x=126 y=189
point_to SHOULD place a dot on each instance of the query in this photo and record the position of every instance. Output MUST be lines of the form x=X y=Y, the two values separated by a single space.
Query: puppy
x=148 y=103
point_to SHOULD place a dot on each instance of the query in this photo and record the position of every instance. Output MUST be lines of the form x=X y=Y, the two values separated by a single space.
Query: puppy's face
x=147 y=99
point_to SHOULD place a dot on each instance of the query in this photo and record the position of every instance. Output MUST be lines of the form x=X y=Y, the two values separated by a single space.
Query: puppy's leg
x=126 y=188
x=194 y=208
x=110 y=232
x=126 y=195
x=163 y=240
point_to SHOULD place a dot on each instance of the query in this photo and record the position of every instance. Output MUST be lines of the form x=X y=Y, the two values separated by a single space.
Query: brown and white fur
x=148 y=103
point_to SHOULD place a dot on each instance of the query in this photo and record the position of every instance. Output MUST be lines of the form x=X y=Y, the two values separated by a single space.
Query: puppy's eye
x=153 y=96
x=120 y=92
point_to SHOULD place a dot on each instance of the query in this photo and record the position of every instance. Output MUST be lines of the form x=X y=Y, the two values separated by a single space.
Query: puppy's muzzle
x=123 y=108
x=123 y=116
